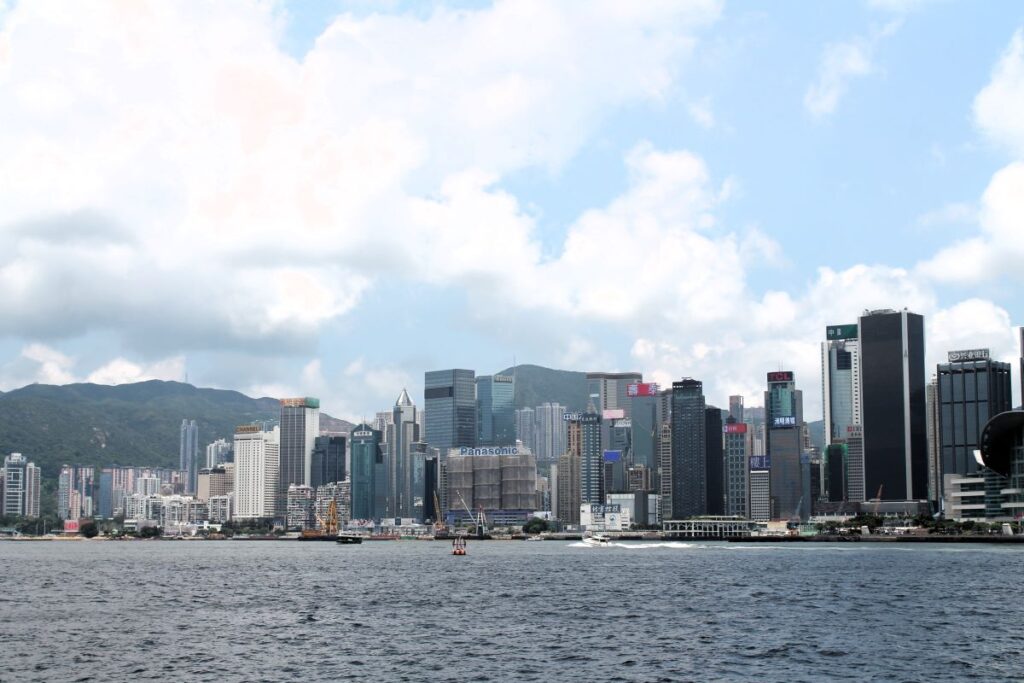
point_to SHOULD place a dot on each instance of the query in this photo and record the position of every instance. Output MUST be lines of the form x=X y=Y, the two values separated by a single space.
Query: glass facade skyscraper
x=784 y=418
x=188 y=453
x=689 y=450
x=367 y=460
x=449 y=401
x=328 y=461
x=894 y=405
x=495 y=396
x=969 y=393
x=300 y=425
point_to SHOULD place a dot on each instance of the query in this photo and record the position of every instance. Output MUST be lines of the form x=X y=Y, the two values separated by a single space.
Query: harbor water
x=508 y=611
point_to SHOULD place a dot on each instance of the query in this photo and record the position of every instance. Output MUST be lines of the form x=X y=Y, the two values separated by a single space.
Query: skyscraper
x=689 y=450
x=188 y=453
x=784 y=417
x=893 y=405
x=840 y=381
x=300 y=424
x=736 y=408
x=217 y=453
x=257 y=472
x=591 y=456
x=934 y=447
x=664 y=479
x=568 y=483
x=449 y=399
x=737 y=479
x=611 y=388
x=495 y=395
x=549 y=432
x=714 y=461
x=366 y=460
x=20 y=487
x=106 y=505
x=526 y=424
x=402 y=432
x=644 y=410
x=328 y=461
x=971 y=388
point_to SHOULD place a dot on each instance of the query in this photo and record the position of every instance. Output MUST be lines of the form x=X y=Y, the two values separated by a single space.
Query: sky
x=330 y=198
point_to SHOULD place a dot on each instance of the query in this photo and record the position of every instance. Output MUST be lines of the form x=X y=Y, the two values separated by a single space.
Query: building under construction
x=501 y=481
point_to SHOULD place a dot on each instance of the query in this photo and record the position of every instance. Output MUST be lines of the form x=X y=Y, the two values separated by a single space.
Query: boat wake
x=636 y=546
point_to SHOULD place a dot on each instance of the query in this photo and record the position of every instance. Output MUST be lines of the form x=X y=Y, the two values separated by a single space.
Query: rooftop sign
x=841 y=332
x=781 y=376
x=968 y=355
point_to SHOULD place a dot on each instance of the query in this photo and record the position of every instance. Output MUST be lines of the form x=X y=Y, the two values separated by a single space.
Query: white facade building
x=256 y=472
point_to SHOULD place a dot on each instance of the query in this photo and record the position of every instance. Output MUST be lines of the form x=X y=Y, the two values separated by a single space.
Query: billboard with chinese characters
x=967 y=355
x=641 y=389
x=834 y=332
x=784 y=421
x=760 y=462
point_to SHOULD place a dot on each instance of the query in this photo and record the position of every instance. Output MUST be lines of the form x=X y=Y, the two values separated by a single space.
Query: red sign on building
x=783 y=376
x=735 y=428
x=641 y=389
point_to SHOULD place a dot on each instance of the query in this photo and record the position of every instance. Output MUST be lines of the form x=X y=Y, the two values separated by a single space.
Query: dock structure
x=711 y=527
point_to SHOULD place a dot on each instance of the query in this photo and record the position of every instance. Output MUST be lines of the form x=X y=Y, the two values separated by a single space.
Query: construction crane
x=480 y=528
x=329 y=525
x=878 y=500
x=438 y=521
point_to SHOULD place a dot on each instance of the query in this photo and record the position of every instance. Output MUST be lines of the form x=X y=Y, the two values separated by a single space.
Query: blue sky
x=330 y=198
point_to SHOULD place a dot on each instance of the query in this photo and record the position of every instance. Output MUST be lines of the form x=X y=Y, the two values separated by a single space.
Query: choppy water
x=218 y=611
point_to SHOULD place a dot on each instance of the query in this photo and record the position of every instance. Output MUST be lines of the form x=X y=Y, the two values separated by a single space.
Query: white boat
x=597 y=541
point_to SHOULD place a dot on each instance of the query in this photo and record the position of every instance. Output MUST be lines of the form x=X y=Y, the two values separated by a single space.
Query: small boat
x=597 y=541
x=534 y=538
x=459 y=546
x=348 y=539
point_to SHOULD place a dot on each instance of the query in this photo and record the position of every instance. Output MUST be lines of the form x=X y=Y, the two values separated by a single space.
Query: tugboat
x=459 y=546
x=348 y=539
x=327 y=529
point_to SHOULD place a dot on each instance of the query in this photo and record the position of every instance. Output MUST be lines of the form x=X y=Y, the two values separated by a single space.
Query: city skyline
x=726 y=167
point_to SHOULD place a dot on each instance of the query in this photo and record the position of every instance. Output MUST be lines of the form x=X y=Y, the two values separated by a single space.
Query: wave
x=636 y=546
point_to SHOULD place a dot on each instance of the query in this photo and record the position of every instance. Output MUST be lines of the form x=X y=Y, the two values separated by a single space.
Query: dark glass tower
x=328 y=460
x=495 y=410
x=188 y=453
x=714 y=463
x=300 y=424
x=970 y=391
x=449 y=404
x=893 y=405
x=784 y=417
x=689 y=450
x=367 y=459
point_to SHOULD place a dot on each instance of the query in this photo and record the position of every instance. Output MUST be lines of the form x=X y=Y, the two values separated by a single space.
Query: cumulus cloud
x=998 y=107
x=171 y=175
x=841 y=63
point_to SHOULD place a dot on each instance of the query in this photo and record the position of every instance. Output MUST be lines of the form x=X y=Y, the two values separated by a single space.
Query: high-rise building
x=760 y=493
x=435 y=486
x=301 y=508
x=1021 y=367
x=934 y=447
x=591 y=455
x=188 y=453
x=840 y=381
x=643 y=398
x=299 y=427
x=502 y=481
x=449 y=400
x=215 y=481
x=75 y=492
x=20 y=486
x=495 y=396
x=893 y=405
x=737 y=468
x=609 y=390
x=105 y=510
x=664 y=479
x=567 y=498
x=784 y=418
x=217 y=453
x=714 y=461
x=855 y=491
x=526 y=425
x=736 y=408
x=367 y=461
x=257 y=473
x=549 y=432
x=400 y=436
x=689 y=450
x=328 y=461
x=971 y=388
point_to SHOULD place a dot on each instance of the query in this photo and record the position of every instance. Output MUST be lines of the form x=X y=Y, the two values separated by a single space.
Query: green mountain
x=536 y=385
x=128 y=424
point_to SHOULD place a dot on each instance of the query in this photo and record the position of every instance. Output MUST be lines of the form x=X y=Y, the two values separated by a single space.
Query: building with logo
x=19 y=487
x=584 y=436
x=643 y=411
x=840 y=381
x=737 y=469
x=367 y=463
x=500 y=480
x=784 y=419
x=605 y=517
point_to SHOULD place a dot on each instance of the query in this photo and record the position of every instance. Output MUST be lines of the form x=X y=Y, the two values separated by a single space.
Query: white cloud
x=702 y=113
x=123 y=371
x=952 y=213
x=261 y=197
x=840 y=63
x=53 y=367
x=999 y=107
